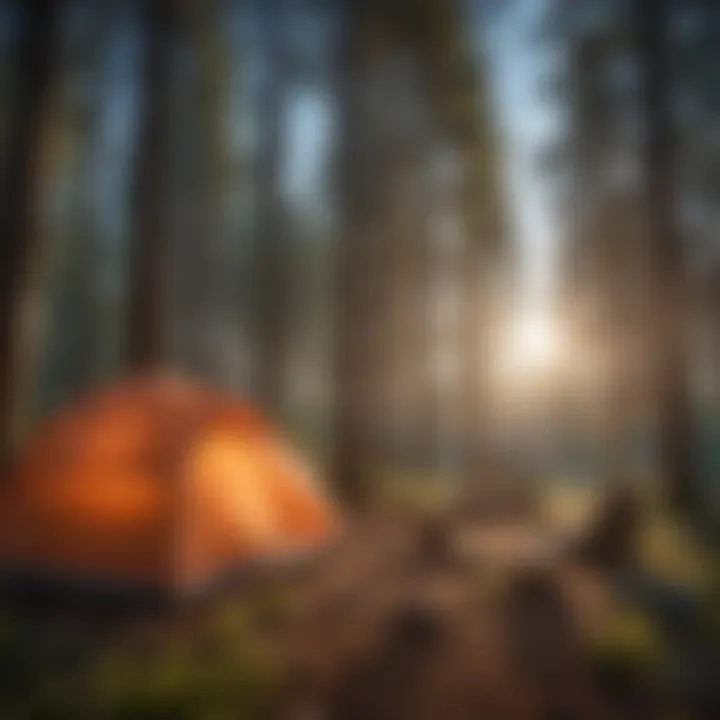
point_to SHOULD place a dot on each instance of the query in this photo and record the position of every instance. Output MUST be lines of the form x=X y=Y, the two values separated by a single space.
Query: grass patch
x=567 y=506
x=414 y=489
x=219 y=668
x=669 y=550
x=181 y=681
x=628 y=649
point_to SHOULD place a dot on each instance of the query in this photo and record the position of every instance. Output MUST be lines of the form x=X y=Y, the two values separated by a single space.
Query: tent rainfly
x=157 y=485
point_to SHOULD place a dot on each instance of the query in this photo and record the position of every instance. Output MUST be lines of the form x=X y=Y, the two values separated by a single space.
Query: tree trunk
x=669 y=309
x=353 y=352
x=273 y=261
x=71 y=356
x=34 y=64
x=146 y=318
x=199 y=273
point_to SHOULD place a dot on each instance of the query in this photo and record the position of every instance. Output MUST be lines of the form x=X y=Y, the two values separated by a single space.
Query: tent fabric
x=160 y=484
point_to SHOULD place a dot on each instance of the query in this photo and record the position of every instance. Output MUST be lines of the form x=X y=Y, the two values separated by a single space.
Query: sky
x=519 y=66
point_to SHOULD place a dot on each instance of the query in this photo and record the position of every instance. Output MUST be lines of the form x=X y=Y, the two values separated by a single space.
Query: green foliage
x=711 y=599
x=629 y=649
x=413 y=489
x=220 y=669
x=182 y=681
x=670 y=550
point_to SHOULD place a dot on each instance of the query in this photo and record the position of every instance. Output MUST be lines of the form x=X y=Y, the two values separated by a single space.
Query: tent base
x=46 y=590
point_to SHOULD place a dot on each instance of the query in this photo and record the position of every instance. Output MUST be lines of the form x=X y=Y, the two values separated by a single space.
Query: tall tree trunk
x=146 y=317
x=199 y=277
x=34 y=64
x=459 y=95
x=273 y=262
x=669 y=310
x=354 y=376
x=70 y=359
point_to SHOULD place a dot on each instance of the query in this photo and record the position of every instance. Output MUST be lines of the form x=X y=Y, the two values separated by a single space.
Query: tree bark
x=664 y=247
x=273 y=261
x=146 y=316
x=354 y=375
x=34 y=63
x=199 y=275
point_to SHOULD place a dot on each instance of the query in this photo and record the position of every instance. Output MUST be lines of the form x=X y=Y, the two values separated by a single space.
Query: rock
x=414 y=630
x=610 y=542
x=436 y=542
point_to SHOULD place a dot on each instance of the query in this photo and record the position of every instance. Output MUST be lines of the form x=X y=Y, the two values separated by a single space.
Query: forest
x=359 y=359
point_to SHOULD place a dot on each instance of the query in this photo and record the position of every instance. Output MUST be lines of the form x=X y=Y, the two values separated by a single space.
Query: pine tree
x=149 y=252
x=34 y=66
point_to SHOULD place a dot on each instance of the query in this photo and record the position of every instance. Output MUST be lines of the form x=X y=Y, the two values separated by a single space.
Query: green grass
x=670 y=551
x=182 y=681
x=218 y=668
x=628 y=649
x=567 y=506
x=414 y=489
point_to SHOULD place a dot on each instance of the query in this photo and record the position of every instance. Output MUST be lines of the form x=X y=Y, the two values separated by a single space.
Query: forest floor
x=433 y=618
x=405 y=616
x=423 y=619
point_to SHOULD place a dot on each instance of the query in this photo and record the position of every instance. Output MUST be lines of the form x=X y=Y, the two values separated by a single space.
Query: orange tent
x=157 y=484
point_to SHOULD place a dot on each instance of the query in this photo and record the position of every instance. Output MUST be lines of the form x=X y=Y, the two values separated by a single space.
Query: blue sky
x=519 y=66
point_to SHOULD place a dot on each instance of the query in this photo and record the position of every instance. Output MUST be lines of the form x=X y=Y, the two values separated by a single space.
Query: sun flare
x=533 y=343
x=536 y=338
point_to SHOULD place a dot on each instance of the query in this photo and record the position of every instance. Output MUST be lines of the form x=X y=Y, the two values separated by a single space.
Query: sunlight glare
x=534 y=343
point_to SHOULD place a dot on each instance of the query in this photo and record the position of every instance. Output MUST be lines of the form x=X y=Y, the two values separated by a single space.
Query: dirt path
x=405 y=619
x=401 y=618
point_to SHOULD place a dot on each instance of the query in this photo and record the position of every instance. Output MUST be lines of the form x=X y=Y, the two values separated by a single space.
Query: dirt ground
x=403 y=617
x=427 y=618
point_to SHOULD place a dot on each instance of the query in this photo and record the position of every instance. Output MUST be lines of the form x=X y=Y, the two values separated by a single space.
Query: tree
x=352 y=321
x=198 y=262
x=459 y=102
x=391 y=196
x=71 y=354
x=369 y=43
x=669 y=295
x=21 y=176
x=149 y=251
x=273 y=278
x=627 y=252
x=604 y=261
